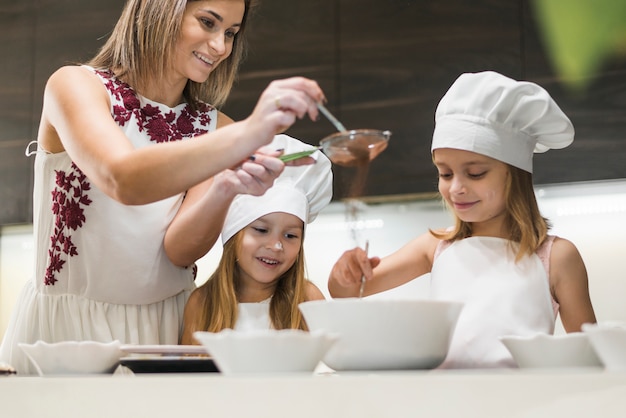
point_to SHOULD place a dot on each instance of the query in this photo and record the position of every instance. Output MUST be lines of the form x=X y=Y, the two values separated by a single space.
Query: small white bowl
x=266 y=351
x=609 y=341
x=73 y=357
x=382 y=334
x=571 y=350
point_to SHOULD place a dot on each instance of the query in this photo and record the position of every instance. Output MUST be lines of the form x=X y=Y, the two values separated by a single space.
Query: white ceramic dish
x=571 y=350
x=73 y=357
x=269 y=351
x=609 y=341
x=377 y=334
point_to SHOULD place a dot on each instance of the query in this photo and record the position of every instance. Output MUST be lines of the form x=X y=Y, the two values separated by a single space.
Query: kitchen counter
x=431 y=394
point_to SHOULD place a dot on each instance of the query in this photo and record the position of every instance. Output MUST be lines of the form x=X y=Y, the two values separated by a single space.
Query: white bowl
x=609 y=341
x=73 y=357
x=380 y=334
x=571 y=350
x=265 y=351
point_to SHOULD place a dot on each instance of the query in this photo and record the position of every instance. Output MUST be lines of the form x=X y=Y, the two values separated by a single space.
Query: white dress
x=500 y=296
x=101 y=272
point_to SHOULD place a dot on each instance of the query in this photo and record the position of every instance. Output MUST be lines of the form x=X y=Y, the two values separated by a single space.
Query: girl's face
x=474 y=186
x=207 y=36
x=269 y=247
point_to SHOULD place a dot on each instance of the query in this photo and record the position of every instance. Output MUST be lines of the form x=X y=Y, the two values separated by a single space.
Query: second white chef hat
x=302 y=191
x=499 y=117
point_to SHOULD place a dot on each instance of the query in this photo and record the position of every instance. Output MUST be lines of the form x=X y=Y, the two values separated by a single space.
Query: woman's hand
x=281 y=104
x=253 y=176
x=257 y=173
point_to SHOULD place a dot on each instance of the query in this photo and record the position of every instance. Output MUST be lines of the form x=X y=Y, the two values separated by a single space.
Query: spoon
x=362 y=288
x=331 y=117
x=301 y=154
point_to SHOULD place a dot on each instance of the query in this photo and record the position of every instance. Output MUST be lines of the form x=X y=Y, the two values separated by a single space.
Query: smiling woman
x=132 y=147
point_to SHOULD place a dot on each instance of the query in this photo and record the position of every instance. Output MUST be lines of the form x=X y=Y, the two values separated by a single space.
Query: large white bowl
x=73 y=357
x=377 y=334
x=266 y=351
x=571 y=350
x=609 y=341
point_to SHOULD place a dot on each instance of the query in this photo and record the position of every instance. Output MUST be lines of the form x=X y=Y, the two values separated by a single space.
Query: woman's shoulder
x=72 y=71
x=223 y=119
x=73 y=79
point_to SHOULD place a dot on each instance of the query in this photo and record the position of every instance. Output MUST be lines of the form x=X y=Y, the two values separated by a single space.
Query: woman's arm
x=76 y=118
x=198 y=222
x=569 y=285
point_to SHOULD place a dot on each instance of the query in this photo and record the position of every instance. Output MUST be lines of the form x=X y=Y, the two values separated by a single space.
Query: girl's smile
x=269 y=248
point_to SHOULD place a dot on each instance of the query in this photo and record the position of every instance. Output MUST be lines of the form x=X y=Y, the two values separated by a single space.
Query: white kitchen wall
x=591 y=214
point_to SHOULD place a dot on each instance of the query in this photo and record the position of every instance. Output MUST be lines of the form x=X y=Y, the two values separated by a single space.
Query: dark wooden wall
x=383 y=65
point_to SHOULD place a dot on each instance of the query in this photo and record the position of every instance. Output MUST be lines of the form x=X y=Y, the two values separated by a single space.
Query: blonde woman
x=135 y=169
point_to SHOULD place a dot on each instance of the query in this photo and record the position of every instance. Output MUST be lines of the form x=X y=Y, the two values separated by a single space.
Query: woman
x=135 y=171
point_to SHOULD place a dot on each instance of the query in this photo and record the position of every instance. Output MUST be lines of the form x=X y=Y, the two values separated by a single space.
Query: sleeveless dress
x=501 y=297
x=101 y=272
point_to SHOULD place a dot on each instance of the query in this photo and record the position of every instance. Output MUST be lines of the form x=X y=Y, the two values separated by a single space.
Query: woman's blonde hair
x=219 y=294
x=523 y=220
x=141 y=48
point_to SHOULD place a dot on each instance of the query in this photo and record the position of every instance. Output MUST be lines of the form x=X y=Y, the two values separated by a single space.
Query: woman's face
x=269 y=247
x=207 y=36
x=473 y=185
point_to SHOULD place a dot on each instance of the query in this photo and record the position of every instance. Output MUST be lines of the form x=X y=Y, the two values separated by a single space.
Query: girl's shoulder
x=195 y=301
x=563 y=249
x=312 y=292
x=437 y=243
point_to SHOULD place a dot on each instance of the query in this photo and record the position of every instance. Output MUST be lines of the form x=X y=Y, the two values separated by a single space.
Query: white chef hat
x=302 y=191
x=499 y=117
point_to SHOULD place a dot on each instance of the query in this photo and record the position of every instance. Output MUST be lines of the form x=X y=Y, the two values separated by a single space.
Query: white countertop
x=431 y=394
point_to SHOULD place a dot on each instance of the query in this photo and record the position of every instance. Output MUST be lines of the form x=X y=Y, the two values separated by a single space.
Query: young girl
x=498 y=258
x=260 y=279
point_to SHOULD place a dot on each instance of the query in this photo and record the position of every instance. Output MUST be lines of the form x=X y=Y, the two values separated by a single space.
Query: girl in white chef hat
x=260 y=279
x=498 y=259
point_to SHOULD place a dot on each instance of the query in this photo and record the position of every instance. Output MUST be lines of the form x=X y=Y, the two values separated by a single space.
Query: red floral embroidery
x=69 y=198
x=160 y=125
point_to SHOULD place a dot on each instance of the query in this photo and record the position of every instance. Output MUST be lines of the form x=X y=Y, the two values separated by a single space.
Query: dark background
x=383 y=65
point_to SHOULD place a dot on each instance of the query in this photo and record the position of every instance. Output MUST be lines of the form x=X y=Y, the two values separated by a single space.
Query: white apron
x=501 y=297
x=254 y=316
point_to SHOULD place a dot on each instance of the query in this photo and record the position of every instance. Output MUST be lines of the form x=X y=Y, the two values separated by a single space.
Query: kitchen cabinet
x=383 y=65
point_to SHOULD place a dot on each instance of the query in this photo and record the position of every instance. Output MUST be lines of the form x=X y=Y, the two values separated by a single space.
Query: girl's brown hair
x=141 y=48
x=523 y=220
x=219 y=294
